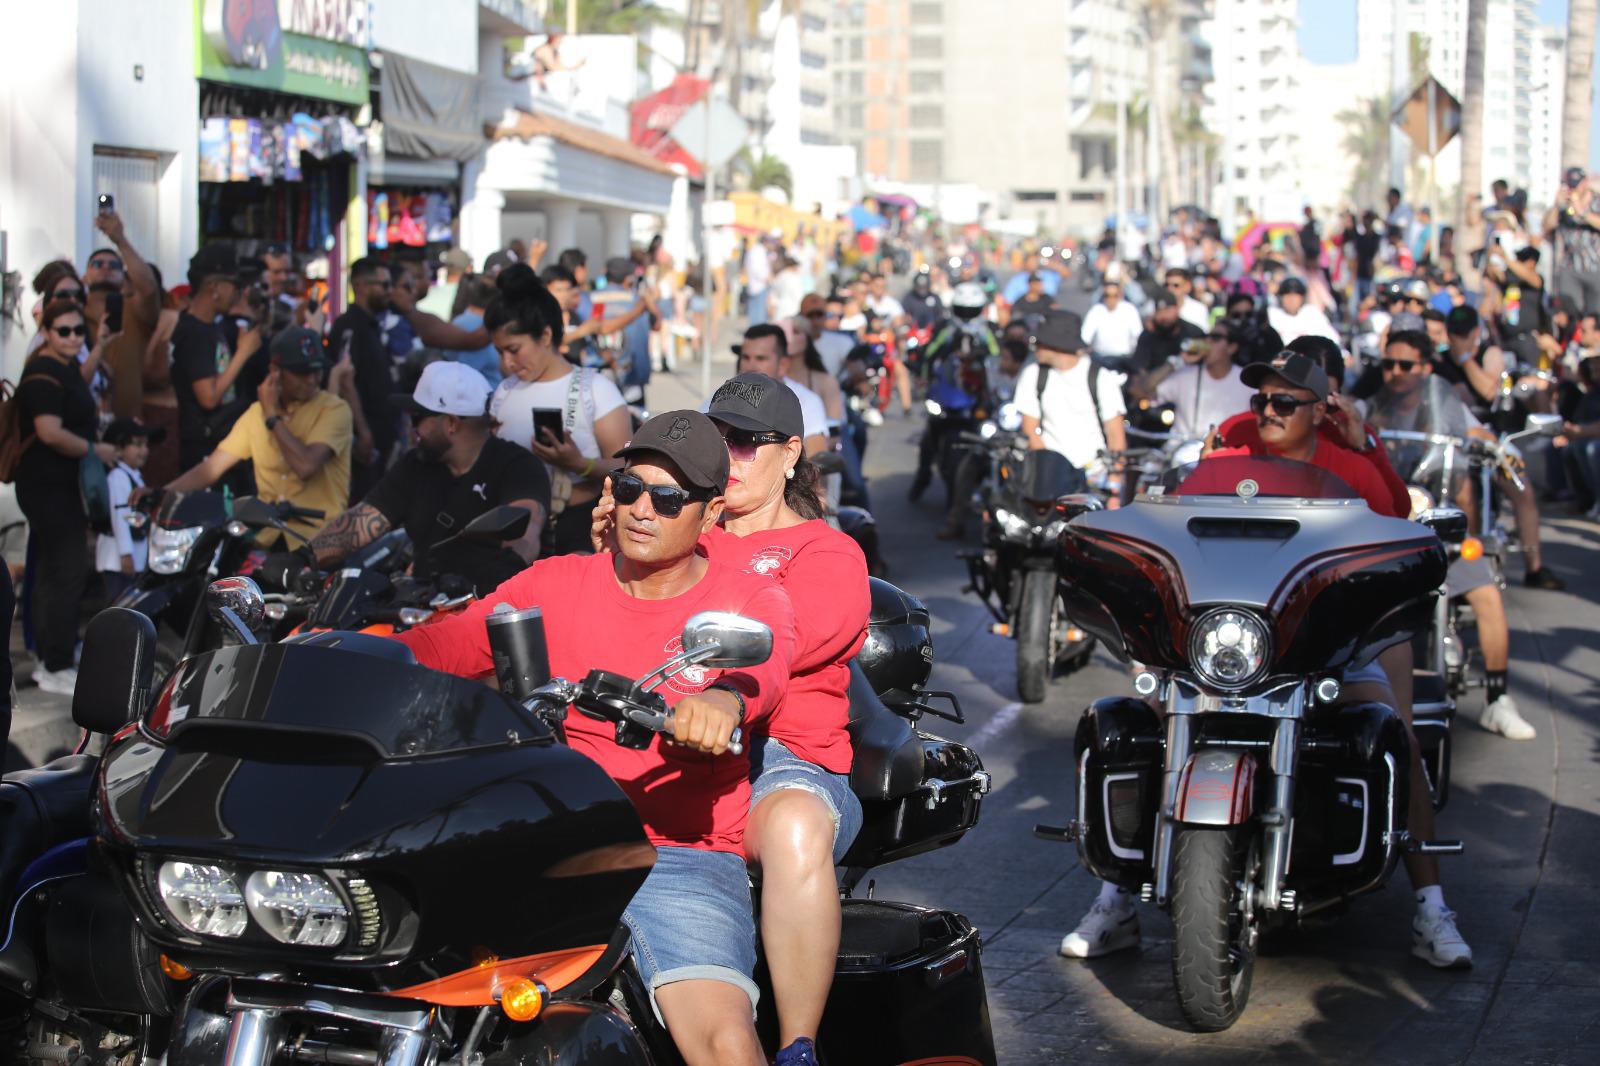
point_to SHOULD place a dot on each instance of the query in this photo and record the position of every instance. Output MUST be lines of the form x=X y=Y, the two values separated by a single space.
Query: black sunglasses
x=743 y=444
x=106 y=264
x=1405 y=366
x=1282 y=405
x=667 y=500
x=71 y=331
x=68 y=294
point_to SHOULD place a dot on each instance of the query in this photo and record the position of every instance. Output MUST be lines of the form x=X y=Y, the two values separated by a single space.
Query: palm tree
x=1581 y=18
x=1472 y=136
x=1366 y=140
x=766 y=171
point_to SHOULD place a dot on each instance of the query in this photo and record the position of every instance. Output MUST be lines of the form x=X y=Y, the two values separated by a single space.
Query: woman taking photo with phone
x=57 y=423
x=572 y=418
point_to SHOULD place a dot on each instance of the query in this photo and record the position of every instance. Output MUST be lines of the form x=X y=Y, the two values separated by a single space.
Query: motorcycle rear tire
x=1036 y=618
x=1213 y=952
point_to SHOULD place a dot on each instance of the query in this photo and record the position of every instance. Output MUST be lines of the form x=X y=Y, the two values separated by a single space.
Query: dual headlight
x=292 y=907
x=170 y=548
x=1016 y=527
x=1230 y=648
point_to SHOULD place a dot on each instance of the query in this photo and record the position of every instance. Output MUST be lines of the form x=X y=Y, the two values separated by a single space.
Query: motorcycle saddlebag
x=934 y=814
x=1119 y=748
x=908 y=988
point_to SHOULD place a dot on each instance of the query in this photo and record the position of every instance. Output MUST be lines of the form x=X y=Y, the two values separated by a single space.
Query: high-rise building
x=1252 y=107
x=1547 y=96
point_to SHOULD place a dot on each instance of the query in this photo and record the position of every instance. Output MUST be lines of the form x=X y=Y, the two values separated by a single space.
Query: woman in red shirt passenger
x=803 y=816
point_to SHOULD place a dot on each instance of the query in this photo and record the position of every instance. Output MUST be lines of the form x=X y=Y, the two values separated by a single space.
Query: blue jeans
x=774 y=767
x=755 y=306
x=1586 y=454
x=691 y=920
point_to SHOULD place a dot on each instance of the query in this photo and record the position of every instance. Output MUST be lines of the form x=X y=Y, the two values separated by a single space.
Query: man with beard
x=458 y=470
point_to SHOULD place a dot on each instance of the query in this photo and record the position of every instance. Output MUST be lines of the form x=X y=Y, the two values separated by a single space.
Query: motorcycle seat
x=40 y=808
x=887 y=763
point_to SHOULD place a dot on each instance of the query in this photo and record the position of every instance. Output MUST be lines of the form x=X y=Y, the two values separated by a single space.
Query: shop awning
x=429 y=112
x=526 y=125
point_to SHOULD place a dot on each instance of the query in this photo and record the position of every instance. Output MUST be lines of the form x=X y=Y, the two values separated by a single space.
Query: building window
x=924 y=116
x=1035 y=196
x=927 y=47
x=858 y=49
x=926 y=12
x=811 y=99
x=927 y=81
x=857 y=116
x=1080 y=196
x=813 y=24
x=813 y=60
x=858 y=83
x=927 y=161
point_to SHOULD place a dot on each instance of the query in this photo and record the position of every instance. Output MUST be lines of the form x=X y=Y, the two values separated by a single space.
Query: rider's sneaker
x=872 y=417
x=800 y=1053
x=1105 y=929
x=61 y=682
x=1436 y=941
x=1542 y=578
x=1503 y=717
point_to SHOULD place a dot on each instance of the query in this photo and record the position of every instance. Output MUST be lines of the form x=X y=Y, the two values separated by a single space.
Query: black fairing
x=182 y=510
x=1047 y=475
x=473 y=828
x=1119 y=750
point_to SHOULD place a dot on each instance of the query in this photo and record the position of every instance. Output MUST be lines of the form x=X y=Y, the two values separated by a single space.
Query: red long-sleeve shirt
x=684 y=798
x=825 y=575
x=1242 y=431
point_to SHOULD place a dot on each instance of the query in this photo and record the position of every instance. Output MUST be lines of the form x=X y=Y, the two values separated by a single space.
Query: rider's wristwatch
x=273 y=421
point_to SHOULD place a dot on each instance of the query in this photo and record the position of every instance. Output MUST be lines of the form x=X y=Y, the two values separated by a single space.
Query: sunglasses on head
x=743 y=444
x=1283 y=405
x=1405 y=366
x=79 y=330
x=667 y=500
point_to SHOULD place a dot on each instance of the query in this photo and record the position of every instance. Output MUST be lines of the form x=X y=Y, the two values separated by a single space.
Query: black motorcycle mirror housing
x=1071 y=506
x=493 y=526
x=1450 y=523
x=115 y=673
x=738 y=641
x=1545 y=425
x=253 y=511
x=232 y=600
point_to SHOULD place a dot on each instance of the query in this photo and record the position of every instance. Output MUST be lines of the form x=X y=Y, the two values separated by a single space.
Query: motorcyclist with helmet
x=956 y=366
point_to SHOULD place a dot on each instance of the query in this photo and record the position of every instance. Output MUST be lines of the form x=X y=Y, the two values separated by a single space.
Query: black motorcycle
x=345 y=858
x=1014 y=573
x=1238 y=791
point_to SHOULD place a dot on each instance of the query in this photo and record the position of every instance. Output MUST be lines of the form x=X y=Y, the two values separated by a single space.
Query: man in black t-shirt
x=458 y=470
x=1035 y=302
x=356 y=334
x=205 y=367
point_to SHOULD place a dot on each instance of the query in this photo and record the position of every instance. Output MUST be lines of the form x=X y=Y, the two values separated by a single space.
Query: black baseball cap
x=213 y=261
x=1301 y=371
x=298 y=348
x=1575 y=176
x=1164 y=298
x=1294 y=285
x=123 y=430
x=1060 y=331
x=758 y=403
x=691 y=441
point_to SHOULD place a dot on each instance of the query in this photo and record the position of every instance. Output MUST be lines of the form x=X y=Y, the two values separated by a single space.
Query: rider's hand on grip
x=707 y=721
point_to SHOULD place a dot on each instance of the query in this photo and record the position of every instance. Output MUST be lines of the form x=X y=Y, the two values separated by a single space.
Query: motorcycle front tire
x=1213 y=956
x=1035 y=656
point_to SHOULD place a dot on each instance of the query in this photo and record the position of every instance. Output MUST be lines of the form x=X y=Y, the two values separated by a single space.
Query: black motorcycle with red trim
x=1239 y=790
x=335 y=855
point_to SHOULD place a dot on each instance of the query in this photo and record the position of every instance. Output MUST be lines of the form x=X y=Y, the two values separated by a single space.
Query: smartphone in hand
x=548 y=418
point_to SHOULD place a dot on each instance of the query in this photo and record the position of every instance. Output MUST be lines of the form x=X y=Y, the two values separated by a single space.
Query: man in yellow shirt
x=297 y=435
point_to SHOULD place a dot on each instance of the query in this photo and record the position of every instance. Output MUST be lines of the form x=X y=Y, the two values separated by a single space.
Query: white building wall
x=1251 y=105
x=1546 y=97
x=441 y=32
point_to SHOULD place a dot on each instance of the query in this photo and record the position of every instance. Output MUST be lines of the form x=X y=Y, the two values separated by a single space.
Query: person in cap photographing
x=692 y=927
x=457 y=470
x=296 y=435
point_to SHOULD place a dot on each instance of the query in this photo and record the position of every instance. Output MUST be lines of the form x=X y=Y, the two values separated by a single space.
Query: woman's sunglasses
x=668 y=500
x=71 y=331
x=1282 y=405
x=743 y=445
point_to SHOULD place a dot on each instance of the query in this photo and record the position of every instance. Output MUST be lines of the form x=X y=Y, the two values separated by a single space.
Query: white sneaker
x=1503 y=717
x=61 y=682
x=1436 y=941
x=872 y=417
x=1105 y=929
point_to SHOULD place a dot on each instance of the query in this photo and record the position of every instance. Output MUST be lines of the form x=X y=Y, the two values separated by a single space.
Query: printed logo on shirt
x=691 y=679
x=482 y=489
x=769 y=561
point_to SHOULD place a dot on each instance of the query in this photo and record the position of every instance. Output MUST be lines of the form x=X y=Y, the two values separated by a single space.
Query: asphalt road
x=1344 y=990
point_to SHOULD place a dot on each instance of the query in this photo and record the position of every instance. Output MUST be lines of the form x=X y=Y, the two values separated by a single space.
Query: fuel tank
x=450 y=821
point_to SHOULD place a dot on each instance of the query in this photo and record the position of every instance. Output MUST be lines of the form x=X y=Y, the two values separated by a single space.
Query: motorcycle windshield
x=188 y=509
x=1046 y=476
x=381 y=702
x=1248 y=477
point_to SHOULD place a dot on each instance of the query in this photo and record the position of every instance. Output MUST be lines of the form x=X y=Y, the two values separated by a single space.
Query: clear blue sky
x=1328 y=35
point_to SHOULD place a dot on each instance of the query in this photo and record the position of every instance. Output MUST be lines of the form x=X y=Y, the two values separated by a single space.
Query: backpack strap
x=1094 y=398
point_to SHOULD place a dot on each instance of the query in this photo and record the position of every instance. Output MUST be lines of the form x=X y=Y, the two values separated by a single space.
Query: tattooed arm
x=355 y=528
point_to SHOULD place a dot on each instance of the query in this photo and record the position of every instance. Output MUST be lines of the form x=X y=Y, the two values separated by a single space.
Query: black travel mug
x=516 y=641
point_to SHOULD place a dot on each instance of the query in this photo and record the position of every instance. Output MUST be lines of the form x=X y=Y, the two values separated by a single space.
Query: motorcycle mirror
x=1009 y=418
x=1450 y=523
x=494 y=525
x=739 y=641
x=254 y=511
x=1070 y=507
x=1545 y=425
x=116 y=671
x=828 y=463
x=236 y=599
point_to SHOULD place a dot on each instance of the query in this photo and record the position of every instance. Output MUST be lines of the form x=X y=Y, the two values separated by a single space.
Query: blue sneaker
x=800 y=1053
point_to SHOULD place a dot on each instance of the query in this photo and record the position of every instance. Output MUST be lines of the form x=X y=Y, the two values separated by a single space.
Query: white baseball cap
x=447 y=388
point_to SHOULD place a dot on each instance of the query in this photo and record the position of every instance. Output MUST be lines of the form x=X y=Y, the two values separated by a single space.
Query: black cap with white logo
x=693 y=443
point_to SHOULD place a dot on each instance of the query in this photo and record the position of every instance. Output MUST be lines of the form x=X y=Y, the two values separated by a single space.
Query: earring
x=789 y=473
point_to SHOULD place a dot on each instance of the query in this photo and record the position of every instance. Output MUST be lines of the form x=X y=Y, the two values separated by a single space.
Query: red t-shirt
x=1242 y=431
x=825 y=575
x=684 y=798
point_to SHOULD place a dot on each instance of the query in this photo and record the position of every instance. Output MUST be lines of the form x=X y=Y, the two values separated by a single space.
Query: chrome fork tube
x=404 y=1047
x=1278 y=820
x=251 y=1035
x=1180 y=735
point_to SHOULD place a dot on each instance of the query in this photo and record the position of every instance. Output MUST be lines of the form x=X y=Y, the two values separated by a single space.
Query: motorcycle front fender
x=1217 y=788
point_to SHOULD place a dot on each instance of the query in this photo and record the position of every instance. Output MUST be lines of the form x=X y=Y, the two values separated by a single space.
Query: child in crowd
x=121 y=554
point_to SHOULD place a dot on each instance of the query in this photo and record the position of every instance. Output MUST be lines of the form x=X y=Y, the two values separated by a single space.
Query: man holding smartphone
x=122 y=292
x=1574 y=223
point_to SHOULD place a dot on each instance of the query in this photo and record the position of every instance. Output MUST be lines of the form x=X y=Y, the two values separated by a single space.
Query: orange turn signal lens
x=175 y=970
x=522 y=1000
x=1471 y=549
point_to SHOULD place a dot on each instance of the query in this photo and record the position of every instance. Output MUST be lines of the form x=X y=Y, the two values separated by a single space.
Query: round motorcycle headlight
x=170 y=548
x=203 y=899
x=297 y=908
x=1230 y=648
x=1012 y=525
x=933 y=408
x=1421 y=500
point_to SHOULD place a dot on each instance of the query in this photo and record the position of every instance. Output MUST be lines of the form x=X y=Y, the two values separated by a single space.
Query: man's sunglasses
x=743 y=445
x=71 y=331
x=667 y=500
x=1175 y=284
x=68 y=294
x=1404 y=366
x=816 y=314
x=106 y=264
x=1284 y=406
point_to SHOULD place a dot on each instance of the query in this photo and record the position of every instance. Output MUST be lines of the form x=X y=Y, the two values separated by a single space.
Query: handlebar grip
x=736 y=742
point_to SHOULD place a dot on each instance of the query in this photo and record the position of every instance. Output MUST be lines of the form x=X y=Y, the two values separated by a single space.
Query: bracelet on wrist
x=588 y=469
x=736 y=695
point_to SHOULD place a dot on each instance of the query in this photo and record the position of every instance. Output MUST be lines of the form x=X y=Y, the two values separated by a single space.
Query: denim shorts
x=691 y=920
x=1372 y=673
x=773 y=767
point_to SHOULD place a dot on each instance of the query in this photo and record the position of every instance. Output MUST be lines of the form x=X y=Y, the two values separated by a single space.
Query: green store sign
x=314 y=48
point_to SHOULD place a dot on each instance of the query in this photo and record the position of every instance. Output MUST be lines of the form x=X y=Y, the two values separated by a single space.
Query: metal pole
x=705 y=260
x=1433 y=183
x=572 y=18
x=1121 y=193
